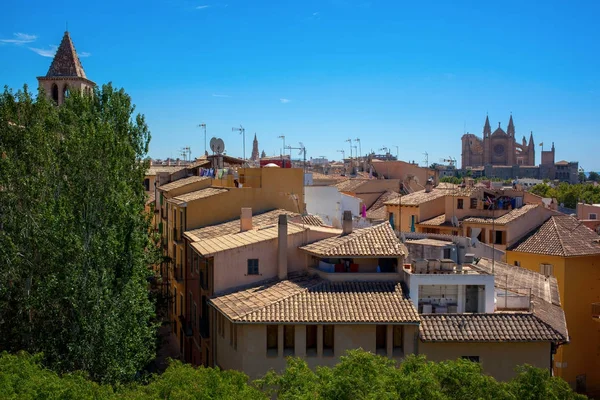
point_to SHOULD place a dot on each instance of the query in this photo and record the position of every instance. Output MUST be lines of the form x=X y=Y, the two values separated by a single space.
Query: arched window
x=65 y=91
x=55 y=92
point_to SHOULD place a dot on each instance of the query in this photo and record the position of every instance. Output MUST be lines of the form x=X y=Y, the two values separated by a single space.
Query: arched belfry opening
x=65 y=74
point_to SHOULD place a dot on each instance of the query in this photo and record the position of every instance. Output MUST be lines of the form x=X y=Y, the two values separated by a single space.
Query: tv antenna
x=302 y=152
x=203 y=125
x=426 y=159
x=343 y=154
x=242 y=131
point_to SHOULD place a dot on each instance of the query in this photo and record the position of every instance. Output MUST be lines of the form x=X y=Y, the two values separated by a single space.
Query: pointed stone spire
x=254 y=155
x=511 y=127
x=487 y=129
x=531 y=139
x=66 y=61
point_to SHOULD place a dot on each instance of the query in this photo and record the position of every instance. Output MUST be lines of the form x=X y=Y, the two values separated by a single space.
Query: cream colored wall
x=432 y=209
x=584 y=211
x=252 y=359
x=191 y=187
x=497 y=359
x=422 y=212
x=401 y=170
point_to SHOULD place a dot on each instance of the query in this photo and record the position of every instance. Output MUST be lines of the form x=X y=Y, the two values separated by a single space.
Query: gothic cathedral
x=497 y=148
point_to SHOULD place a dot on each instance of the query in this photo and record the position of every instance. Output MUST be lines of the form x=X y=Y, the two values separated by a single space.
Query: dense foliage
x=568 y=194
x=359 y=375
x=73 y=233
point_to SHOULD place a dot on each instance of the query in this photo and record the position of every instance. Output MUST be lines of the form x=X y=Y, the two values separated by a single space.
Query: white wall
x=329 y=204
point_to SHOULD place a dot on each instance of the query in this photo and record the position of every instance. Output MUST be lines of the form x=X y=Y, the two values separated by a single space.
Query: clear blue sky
x=407 y=74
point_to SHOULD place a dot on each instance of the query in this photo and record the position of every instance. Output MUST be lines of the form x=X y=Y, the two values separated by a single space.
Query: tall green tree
x=74 y=242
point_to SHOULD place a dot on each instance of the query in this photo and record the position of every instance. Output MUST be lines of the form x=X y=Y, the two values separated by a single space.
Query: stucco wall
x=497 y=359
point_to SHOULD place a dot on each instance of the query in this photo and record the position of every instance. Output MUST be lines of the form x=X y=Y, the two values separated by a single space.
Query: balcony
x=178 y=272
x=186 y=323
x=596 y=311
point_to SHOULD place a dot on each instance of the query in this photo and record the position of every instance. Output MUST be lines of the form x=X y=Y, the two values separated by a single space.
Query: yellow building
x=564 y=248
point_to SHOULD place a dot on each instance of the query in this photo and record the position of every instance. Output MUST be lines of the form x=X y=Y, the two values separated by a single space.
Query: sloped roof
x=378 y=210
x=230 y=227
x=418 y=198
x=503 y=219
x=181 y=183
x=156 y=169
x=544 y=290
x=66 y=61
x=493 y=327
x=310 y=299
x=197 y=195
x=440 y=220
x=312 y=220
x=562 y=236
x=375 y=241
x=350 y=185
x=151 y=197
x=219 y=244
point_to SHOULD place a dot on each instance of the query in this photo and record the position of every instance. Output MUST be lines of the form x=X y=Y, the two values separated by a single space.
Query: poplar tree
x=74 y=238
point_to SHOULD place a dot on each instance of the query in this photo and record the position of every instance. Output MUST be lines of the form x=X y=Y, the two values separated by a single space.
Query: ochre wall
x=497 y=359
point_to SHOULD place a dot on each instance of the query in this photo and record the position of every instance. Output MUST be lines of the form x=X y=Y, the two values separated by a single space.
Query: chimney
x=282 y=239
x=428 y=185
x=246 y=219
x=347 y=223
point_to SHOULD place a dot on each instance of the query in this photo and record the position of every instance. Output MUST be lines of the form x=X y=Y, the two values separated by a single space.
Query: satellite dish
x=220 y=145
x=213 y=144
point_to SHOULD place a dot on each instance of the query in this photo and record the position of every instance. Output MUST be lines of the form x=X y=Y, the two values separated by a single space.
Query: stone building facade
x=65 y=74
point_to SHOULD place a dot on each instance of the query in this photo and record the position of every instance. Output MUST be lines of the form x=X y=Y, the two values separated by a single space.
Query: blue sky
x=411 y=75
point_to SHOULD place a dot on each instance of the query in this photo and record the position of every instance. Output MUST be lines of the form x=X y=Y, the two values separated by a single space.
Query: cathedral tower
x=65 y=73
x=255 y=153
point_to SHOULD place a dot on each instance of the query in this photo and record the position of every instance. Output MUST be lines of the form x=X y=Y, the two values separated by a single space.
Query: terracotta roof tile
x=418 y=198
x=378 y=210
x=436 y=221
x=196 y=195
x=226 y=228
x=181 y=183
x=350 y=185
x=219 y=244
x=496 y=327
x=561 y=235
x=504 y=219
x=151 y=197
x=309 y=299
x=376 y=241
x=155 y=169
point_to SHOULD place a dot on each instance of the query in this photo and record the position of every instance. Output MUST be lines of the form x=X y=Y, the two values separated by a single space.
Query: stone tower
x=255 y=154
x=65 y=73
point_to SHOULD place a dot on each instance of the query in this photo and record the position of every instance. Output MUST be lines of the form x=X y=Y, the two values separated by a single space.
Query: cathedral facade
x=497 y=148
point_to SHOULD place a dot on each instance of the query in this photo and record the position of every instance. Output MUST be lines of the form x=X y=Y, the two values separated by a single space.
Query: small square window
x=473 y=203
x=253 y=266
x=593 y=216
x=460 y=204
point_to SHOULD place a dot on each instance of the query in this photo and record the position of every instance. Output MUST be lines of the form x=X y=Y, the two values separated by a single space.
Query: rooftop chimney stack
x=282 y=239
x=428 y=185
x=347 y=223
x=246 y=219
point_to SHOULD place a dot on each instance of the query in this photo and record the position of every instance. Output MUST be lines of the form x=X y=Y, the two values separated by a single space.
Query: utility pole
x=242 y=131
x=203 y=125
x=282 y=137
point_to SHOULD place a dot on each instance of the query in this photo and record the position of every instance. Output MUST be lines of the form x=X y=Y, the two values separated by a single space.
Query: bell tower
x=65 y=74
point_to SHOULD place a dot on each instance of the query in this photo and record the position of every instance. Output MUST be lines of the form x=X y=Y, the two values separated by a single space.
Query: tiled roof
x=378 y=210
x=155 y=169
x=313 y=300
x=151 y=197
x=66 y=61
x=312 y=220
x=561 y=235
x=226 y=228
x=350 y=185
x=544 y=290
x=196 y=195
x=436 y=221
x=334 y=178
x=418 y=198
x=210 y=247
x=493 y=327
x=181 y=183
x=504 y=219
x=199 y=163
x=375 y=241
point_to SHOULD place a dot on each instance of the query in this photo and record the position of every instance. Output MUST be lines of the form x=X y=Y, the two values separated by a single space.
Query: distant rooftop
x=181 y=183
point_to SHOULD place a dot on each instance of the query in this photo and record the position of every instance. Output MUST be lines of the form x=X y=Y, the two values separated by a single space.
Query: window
x=471 y=358
x=499 y=237
x=546 y=269
x=55 y=93
x=147 y=184
x=517 y=263
x=194 y=316
x=381 y=338
x=398 y=342
x=189 y=304
x=593 y=216
x=311 y=340
x=272 y=340
x=328 y=340
x=174 y=301
x=253 y=266
x=473 y=203
x=460 y=204
x=181 y=303
x=289 y=340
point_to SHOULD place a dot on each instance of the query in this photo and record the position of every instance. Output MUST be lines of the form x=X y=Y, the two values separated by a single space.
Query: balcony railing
x=596 y=311
x=178 y=273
